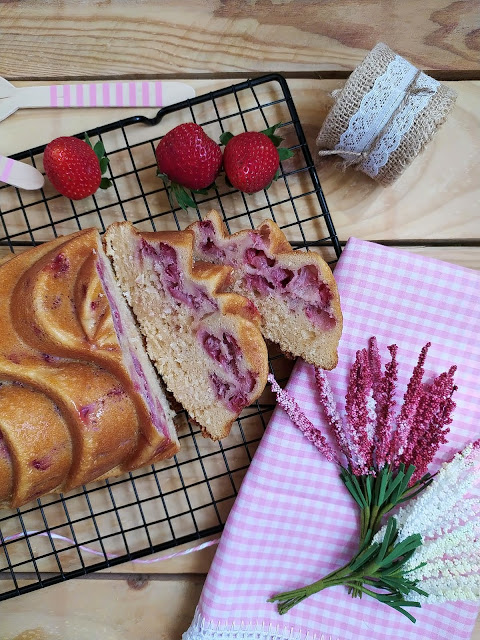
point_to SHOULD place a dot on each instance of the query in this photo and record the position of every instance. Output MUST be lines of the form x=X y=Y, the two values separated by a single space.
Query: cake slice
x=206 y=344
x=294 y=291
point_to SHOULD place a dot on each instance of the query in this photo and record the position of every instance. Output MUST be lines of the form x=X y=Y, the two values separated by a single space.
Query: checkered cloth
x=293 y=521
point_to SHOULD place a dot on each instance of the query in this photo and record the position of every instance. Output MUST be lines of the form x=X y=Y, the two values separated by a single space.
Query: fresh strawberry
x=189 y=159
x=74 y=168
x=251 y=160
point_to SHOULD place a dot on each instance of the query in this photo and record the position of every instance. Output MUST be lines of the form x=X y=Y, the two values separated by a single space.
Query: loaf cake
x=206 y=344
x=79 y=398
x=294 y=291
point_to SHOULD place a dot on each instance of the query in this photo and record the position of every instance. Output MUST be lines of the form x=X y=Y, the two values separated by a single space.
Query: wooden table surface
x=433 y=209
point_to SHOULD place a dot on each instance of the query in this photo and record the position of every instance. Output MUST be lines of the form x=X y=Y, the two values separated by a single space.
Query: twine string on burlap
x=357 y=157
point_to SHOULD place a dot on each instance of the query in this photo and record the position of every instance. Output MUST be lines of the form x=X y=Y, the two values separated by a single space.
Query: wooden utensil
x=100 y=94
x=19 y=174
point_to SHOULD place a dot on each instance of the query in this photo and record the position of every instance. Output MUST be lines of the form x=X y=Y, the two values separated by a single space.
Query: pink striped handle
x=106 y=94
x=6 y=166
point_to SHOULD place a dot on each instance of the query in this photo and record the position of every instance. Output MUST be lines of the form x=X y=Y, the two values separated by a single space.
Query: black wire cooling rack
x=187 y=498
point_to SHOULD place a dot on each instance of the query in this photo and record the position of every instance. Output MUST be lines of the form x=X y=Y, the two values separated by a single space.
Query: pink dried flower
x=384 y=388
x=392 y=463
x=358 y=417
x=330 y=408
x=407 y=413
x=374 y=360
x=430 y=423
x=300 y=420
x=369 y=437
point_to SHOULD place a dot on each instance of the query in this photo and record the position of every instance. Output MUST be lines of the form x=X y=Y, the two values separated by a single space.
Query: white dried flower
x=446 y=588
x=447 y=564
x=435 y=509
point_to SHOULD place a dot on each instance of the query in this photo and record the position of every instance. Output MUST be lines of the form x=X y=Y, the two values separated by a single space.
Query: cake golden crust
x=71 y=410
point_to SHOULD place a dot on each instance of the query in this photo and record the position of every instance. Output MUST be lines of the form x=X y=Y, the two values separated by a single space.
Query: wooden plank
x=54 y=39
x=139 y=608
x=311 y=98
x=196 y=561
x=468 y=257
x=436 y=198
x=382 y=219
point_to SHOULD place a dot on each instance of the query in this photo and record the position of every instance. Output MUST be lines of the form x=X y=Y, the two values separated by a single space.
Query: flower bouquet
x=424 y=552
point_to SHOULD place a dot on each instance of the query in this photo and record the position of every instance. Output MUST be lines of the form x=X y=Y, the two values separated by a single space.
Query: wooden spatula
x=100 y=94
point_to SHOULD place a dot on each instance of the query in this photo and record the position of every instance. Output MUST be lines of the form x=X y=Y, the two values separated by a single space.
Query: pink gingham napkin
x=293 y=520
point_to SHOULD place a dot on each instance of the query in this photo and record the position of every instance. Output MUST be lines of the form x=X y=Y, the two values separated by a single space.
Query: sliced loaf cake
x=206 y=344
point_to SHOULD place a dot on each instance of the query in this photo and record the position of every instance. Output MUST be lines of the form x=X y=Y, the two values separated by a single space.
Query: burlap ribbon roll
x=386 y=113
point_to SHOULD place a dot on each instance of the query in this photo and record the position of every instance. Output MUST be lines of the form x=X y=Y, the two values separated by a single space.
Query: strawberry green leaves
x=270 y=133
x=182 y=195
x=99 y=150
x=226 y=137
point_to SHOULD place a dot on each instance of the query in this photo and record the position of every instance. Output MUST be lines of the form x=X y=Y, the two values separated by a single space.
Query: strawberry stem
x=181 y=194
x=225 y=137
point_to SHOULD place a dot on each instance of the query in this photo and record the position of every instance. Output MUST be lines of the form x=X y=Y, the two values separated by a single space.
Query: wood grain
x=468 y=257
x=436 y=198
x=137 y=608
x=54 y=39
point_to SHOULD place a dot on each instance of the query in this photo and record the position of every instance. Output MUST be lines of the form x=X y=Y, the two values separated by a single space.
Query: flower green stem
x=371 y=522
x=289 y=599
x=355 y=581
x=373 y=518
x=364 y=522
x=377 y=565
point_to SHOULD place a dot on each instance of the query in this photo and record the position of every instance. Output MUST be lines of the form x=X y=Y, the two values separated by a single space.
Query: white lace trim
x=200 y=629
x=376 y=109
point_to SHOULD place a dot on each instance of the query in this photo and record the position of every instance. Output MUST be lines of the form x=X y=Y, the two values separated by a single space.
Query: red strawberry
x=74 y=168
x=251 y=160
x=188 y=158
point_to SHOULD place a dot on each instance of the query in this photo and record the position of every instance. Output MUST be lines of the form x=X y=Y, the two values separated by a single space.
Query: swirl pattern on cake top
x=79 y=399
